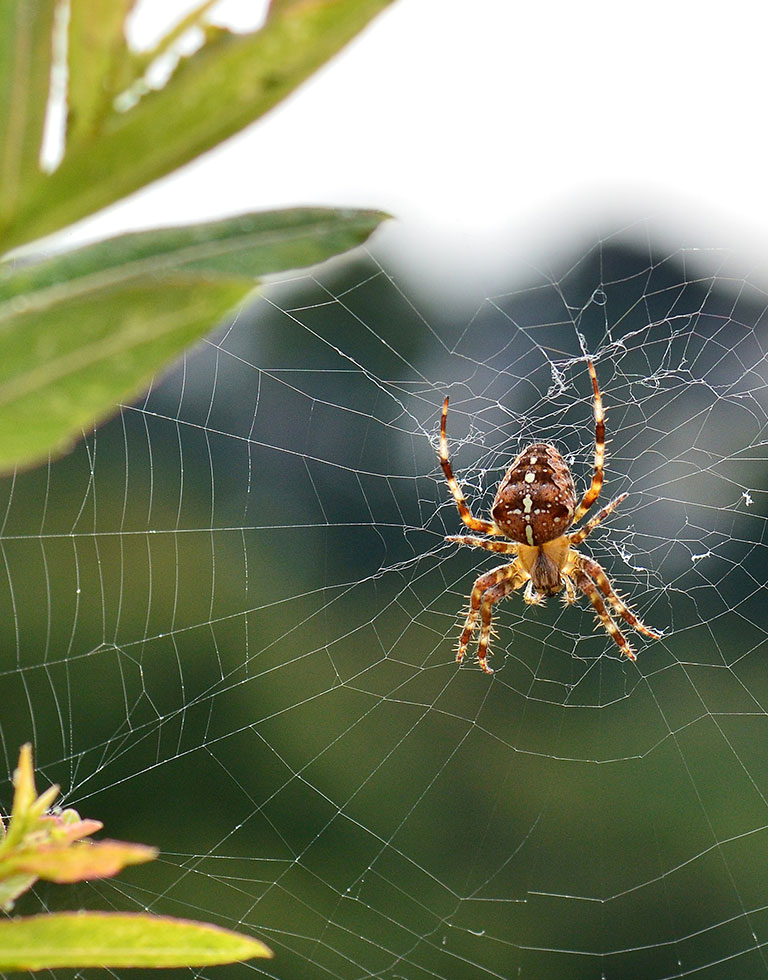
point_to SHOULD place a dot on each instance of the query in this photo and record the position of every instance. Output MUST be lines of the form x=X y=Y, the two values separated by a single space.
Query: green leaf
x=25 y=67
x=72 y=362
x=247 y=245
x=27 y=807
x=112 y=940
x=86 y=330
x=232 y=80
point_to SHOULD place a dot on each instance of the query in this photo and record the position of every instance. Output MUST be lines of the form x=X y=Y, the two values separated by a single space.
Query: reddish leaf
x=61 y=827
x=80 y=861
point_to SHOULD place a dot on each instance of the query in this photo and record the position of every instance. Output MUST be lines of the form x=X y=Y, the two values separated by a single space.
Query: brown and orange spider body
x=534 y=508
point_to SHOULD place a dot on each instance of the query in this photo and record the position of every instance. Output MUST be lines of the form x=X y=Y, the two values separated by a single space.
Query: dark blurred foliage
x=228 y=625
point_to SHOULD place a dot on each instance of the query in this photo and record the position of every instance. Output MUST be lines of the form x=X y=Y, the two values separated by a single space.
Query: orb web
x=230 y=618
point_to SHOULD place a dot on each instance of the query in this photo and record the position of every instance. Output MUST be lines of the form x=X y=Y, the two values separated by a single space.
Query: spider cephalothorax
x=534 y=507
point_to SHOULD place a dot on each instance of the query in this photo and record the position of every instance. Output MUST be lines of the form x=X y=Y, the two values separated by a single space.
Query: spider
x=534 y=507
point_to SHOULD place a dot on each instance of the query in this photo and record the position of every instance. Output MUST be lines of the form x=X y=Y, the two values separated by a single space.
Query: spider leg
x=491 y=596
x=589 y=588
x=505 y=547
x=488 y=588
x=578 y=536
x=597 y=574
x=592 y=493
x=474 y=523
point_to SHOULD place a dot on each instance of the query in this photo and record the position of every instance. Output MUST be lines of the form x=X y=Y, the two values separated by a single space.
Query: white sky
x=526 y=124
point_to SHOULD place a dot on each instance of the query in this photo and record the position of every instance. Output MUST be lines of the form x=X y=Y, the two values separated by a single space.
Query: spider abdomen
x=536 y=500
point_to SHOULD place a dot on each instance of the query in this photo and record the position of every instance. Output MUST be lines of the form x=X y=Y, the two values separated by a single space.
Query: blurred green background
x=228 y=623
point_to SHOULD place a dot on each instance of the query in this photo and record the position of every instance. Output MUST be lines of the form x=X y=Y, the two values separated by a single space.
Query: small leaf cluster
x=53 y=845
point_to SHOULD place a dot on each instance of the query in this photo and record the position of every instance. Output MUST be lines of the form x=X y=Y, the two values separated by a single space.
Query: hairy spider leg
x=597 y=477
x=589 y=589
x=474 y=523
x=578 y=536
x=595 y=572
x=491 y=596
x=510 y=574
x=505 y=547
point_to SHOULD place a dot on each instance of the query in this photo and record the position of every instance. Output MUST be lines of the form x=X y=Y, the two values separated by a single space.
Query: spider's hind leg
x=589 y=588
x=486 y=616
x=595 y=572
x=488 y=589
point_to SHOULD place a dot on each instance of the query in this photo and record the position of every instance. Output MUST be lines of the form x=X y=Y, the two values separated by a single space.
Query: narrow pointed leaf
x=195 y=18
x=231 y=81
x=87 y=330
x=247 y=245
x=12 y=887
x=113 y=940
x=24 y=791
x=79 y=861
x=97 y=50
x=62 y=829
x=26 y=44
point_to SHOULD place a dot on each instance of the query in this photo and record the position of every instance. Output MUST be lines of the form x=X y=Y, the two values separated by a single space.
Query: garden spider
x=534 y=506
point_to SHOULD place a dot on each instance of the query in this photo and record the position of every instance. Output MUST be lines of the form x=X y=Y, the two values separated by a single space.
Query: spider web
x=229 y=621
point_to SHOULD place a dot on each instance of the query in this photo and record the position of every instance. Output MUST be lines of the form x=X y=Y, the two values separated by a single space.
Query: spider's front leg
x=578 y=536
x=472 y=522
x=597 y=477
x=487 y=590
